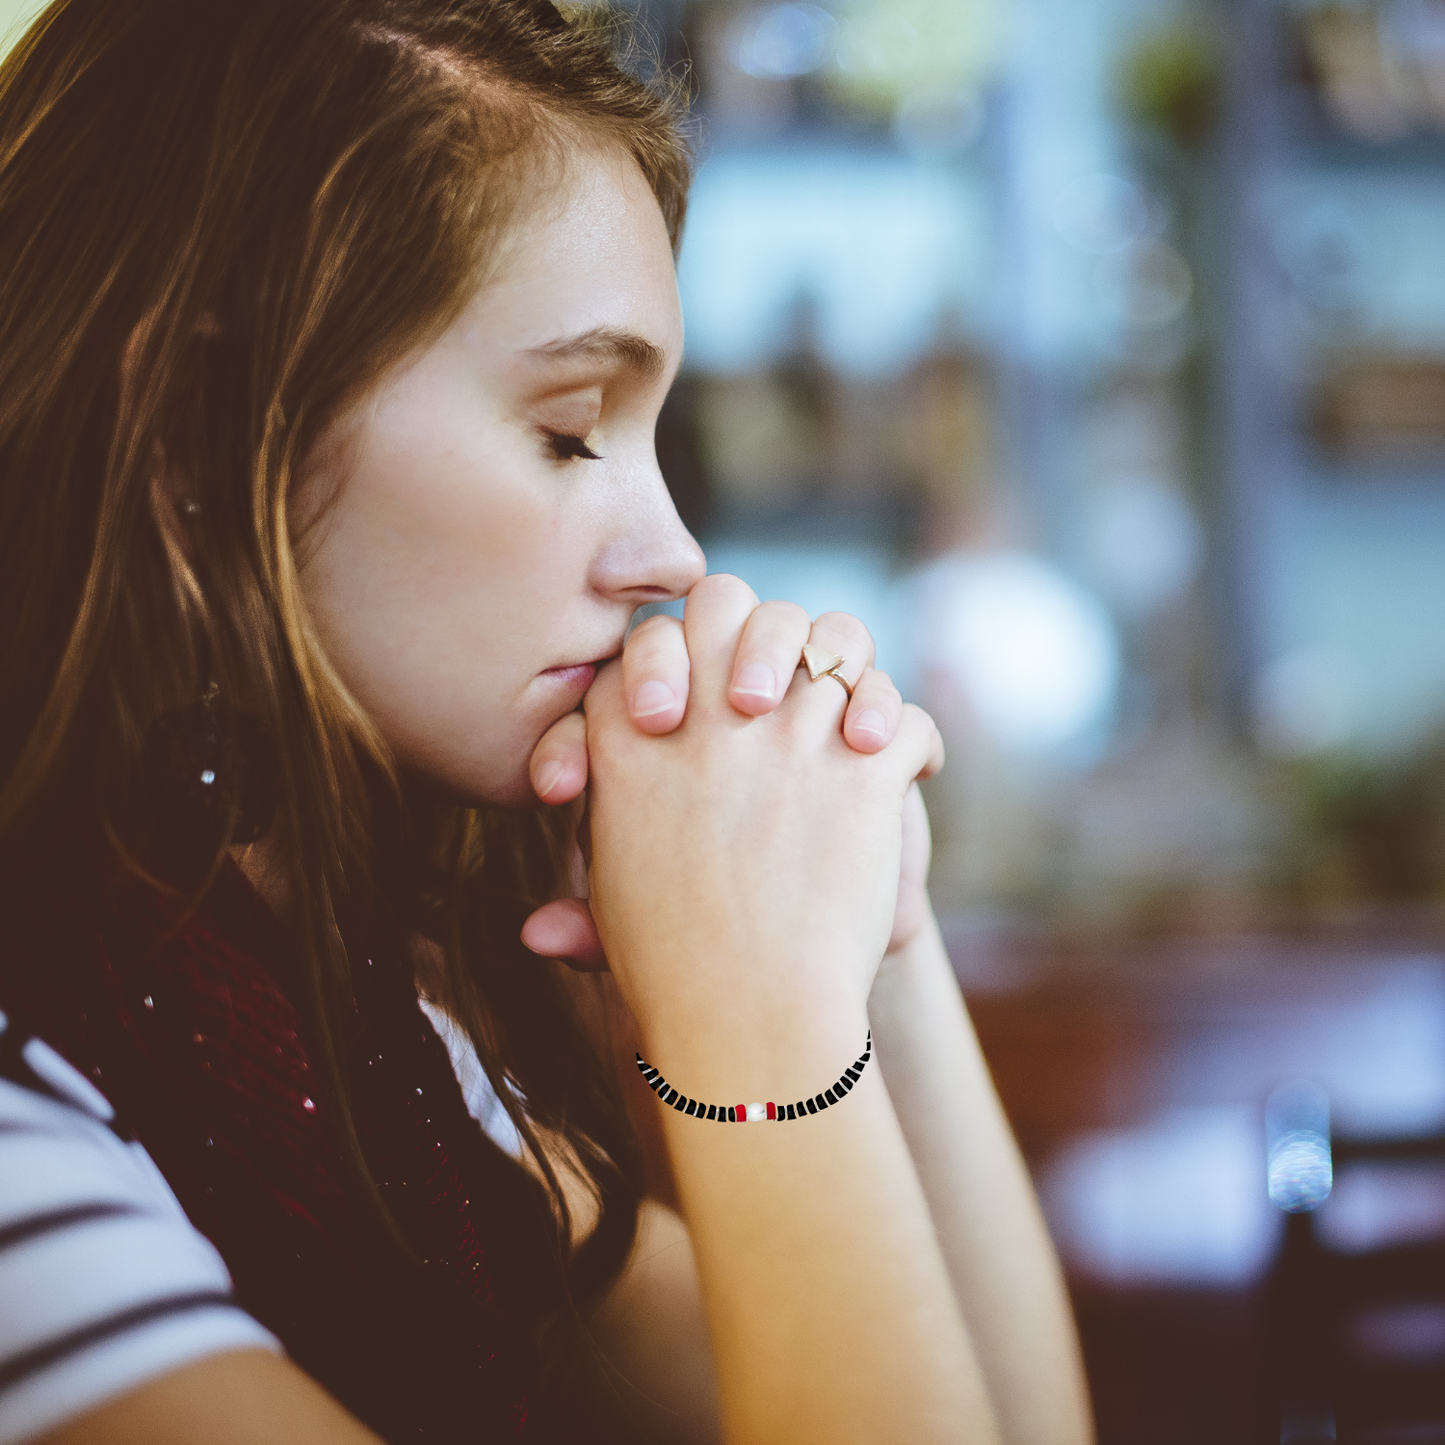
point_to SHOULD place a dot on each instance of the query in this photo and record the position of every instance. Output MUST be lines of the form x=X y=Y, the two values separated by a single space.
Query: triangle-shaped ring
x=822 y=663
x=819 y=661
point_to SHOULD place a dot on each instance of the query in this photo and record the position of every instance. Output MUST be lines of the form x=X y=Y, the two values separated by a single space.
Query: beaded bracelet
x=756 y=1113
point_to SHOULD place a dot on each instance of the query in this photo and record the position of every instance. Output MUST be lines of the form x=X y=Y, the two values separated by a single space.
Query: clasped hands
x=694 y=686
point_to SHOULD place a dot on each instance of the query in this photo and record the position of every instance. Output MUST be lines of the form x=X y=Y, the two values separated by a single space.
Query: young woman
x=333 y=334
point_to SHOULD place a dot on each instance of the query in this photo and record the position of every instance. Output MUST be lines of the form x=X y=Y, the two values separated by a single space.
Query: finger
x=655 y=671
x=559 y=761
x=767 y=656
x=912 y=907
x=564 y=929
x=917 y=838
x=873 y=713
x=917 y=746
x=845 y=636
x=717 y=611
x=604 y=705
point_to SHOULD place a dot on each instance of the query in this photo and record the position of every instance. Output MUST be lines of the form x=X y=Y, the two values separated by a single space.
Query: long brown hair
x=220 y=223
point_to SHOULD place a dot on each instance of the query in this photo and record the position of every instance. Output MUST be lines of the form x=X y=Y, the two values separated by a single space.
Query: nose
x=649 y=555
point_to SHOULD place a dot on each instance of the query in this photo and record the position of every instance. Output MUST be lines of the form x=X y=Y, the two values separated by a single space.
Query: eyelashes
x=565 y=448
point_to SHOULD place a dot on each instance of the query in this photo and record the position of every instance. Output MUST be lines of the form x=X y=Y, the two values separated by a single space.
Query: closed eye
x=568 y=448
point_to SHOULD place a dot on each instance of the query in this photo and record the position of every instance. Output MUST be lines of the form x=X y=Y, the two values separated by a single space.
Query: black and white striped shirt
x=104 y=1282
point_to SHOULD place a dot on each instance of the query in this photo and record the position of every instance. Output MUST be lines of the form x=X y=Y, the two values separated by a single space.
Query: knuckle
x=845 y=625
x=652 y=630
x=787 y=618
x=723 y=587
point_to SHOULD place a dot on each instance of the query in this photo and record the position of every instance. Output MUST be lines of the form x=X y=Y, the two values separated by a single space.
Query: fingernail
x=652 y=698
x=871 y=722
x=757 y=680
x=547 y=777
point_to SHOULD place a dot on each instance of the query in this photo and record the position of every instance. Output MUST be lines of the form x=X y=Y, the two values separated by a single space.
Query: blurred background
x=1093 y=352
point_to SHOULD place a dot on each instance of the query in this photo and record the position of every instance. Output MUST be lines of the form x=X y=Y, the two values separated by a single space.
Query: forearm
x=828 y=1301
x=989 y=1227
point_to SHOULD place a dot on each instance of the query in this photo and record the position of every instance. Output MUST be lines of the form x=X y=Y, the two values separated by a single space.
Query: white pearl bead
x=757 y=1113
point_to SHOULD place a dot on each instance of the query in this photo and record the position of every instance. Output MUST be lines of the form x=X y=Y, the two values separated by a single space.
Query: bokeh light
x=1035 y=655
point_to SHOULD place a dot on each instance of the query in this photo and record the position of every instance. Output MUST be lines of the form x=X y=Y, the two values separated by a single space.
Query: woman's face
x=499 y=512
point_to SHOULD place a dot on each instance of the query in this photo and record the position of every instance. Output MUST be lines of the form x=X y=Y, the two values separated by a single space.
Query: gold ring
x=822 y=663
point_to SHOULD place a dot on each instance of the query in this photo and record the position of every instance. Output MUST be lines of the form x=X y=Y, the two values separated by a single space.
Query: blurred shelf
x=1359 y=86
x=1311 y=136
x=1421 y=153
x=1425 y=477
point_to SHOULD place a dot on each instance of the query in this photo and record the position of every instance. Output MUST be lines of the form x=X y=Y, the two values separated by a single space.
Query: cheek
x=438 y=588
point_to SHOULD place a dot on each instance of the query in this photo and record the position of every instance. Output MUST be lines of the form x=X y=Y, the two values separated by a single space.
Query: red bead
x=740 y=1113
x=772 y=1110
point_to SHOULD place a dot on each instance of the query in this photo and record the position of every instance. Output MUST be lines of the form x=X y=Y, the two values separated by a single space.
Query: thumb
x=559 y=761
x=564 y=929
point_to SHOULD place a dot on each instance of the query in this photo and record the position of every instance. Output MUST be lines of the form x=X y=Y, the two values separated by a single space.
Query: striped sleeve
x=104 y=1283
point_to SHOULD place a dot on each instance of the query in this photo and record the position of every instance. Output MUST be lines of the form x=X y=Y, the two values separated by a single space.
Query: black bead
x=812 y=1106
x=670 y=1096
x=830 y=1096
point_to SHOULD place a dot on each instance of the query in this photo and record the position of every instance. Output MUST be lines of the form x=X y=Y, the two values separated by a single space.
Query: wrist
x=728 y=994
x=778 y=1052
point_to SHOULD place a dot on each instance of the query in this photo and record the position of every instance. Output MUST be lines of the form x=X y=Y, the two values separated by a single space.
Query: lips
x=579 y=674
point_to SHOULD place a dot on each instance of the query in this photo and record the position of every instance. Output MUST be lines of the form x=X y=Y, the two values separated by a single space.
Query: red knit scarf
x=188 y=1021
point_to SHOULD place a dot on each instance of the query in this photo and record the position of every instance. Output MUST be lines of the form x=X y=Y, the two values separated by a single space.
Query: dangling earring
x=212 y=776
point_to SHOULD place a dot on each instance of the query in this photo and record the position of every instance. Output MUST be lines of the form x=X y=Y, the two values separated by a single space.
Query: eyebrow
x=606 y=344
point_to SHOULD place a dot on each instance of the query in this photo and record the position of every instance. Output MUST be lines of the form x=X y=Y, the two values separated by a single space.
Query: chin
x=518 y=794
x=513 y=791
